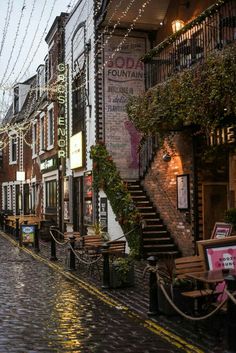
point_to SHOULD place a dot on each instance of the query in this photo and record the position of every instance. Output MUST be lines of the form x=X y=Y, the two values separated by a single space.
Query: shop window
x=51 y=196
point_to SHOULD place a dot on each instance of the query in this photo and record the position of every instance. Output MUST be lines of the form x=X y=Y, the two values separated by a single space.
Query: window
x=42 y=133
x=79 y=103
x=51 y=195
x=34 y=139
x=5 y=198
x=50 y=128
x=11 y=197
x=13 y=149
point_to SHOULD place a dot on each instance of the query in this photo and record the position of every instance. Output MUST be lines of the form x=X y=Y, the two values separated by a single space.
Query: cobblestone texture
x=42 y=311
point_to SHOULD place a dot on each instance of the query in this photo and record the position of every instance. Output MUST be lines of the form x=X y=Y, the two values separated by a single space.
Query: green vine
x=204 y=97
x=106 y=177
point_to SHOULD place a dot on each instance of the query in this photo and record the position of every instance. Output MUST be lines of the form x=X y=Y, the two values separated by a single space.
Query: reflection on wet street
x=42 y=311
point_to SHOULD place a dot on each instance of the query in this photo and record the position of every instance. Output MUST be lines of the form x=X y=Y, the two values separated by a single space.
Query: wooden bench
x=192 y=264
x=11 y=223
x=77 y=236
x=117 y=247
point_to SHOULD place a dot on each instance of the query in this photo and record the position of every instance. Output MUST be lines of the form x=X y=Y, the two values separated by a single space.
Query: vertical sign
x=183 y=192
x=123 y=76
x=103 y=213
x=88 y=198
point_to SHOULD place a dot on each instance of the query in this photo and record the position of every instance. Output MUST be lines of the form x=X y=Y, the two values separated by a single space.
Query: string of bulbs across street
x=27 y=123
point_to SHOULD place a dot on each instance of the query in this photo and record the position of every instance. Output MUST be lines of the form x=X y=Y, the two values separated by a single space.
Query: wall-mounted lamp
x=166 y=157
x=177 y=25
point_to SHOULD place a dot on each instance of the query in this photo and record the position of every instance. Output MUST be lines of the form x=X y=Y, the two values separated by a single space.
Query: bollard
x=20 y=238
x=231 y=314
x=72 y=255
x=36 y=239
x=53 y=248
x=17 y=229
x=106 y=267
x=153 y=289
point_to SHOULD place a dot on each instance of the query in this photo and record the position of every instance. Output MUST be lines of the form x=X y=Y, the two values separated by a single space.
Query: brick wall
x=160 y=184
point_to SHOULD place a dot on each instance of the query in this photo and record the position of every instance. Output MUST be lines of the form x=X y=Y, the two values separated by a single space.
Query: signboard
x=48 y=164
x=221 y=230
x=76 y=151
x=123 y=76
x=28 y=233
x=103 y=213
x=88 y=212
x=182 y=192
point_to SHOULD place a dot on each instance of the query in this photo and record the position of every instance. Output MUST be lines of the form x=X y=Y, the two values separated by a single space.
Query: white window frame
x=34 y=139
x=42 y=141
x=50 y=126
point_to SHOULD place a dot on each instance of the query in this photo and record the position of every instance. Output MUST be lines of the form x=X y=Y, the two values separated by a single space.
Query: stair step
x=162 y=253
x=160 y=246
x=154 y=232
x=156 y=239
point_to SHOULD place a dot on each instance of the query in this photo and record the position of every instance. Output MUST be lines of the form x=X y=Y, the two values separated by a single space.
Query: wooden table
x=209 y=277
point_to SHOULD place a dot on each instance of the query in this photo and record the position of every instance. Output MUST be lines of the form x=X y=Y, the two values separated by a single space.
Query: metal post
x=20 y=237
x=231 y=314
x=72 y=254
x=17 y=229
x=53 y=248
x=36 y=239
x=106 y=268
x=153 y=289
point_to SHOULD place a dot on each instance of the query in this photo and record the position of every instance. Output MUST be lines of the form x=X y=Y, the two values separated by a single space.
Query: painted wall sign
x=48 y=164
x=123 y=76
x=221 y=136
x=183 y=192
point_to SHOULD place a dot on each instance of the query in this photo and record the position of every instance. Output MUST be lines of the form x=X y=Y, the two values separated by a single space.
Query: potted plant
x=122 y=272
x=230 y=217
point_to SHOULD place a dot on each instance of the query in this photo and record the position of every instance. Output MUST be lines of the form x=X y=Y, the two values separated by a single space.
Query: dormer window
x=16 y=100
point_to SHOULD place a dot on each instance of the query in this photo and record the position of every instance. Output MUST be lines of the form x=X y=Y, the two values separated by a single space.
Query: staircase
x=156 y=238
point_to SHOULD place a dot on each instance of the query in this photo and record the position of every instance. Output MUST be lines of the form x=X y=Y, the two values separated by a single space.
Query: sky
x=23 y=28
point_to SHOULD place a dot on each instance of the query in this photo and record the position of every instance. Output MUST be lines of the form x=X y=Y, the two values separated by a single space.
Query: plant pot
x=119 y=281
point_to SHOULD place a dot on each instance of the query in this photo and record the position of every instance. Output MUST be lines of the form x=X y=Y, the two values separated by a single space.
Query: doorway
x=215 y=201
x=78 y=224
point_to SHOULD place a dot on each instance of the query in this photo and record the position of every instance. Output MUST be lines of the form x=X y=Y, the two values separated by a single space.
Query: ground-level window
x=51 y=195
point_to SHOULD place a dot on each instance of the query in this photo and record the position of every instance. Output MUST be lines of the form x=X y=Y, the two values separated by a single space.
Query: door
x=78 y=224
x=215 y=200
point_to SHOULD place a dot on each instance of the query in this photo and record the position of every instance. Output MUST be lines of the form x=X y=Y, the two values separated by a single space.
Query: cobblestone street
x=42 y=311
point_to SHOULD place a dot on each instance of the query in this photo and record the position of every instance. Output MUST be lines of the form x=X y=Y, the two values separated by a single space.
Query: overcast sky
x=23 y=28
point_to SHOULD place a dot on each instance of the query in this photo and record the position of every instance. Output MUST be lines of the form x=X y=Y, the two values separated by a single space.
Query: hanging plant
x=204 y=96
x=106 y=177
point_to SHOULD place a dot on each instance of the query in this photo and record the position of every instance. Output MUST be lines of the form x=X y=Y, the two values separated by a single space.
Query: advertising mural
x=124 y=76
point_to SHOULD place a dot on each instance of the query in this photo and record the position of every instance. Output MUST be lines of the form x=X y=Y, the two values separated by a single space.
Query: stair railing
x=146 y=154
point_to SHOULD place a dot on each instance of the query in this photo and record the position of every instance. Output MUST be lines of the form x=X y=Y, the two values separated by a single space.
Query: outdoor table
x=214 y=276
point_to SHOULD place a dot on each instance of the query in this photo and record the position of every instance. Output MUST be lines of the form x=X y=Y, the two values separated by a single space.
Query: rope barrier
x=56 y=241
x=154 y=269
x=84 y=254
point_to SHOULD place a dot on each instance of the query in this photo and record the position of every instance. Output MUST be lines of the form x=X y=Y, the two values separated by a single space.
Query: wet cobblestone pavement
x=43 y=311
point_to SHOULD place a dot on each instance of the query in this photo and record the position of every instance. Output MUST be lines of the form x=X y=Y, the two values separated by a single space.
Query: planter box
x=186 y=305
x=116 y=281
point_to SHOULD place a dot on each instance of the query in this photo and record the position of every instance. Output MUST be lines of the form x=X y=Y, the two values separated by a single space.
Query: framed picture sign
x=182 y=182
x=221 y=230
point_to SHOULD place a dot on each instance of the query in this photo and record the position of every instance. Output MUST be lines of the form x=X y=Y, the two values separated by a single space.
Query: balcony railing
x=209 y=32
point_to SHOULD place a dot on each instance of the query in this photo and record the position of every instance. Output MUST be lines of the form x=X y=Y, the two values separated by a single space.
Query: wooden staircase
x=156 y=238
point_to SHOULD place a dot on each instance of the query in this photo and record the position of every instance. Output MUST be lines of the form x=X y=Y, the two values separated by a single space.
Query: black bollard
x=106 y=267
x=153 y=289
x=231 y=314
x=17 y=229
x=53 y=248
x=36 y=239
x=72 y=254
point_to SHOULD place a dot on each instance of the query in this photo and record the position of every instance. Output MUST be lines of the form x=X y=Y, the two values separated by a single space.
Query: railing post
x=72 y=254
x=231 y=314
x=106 y=267
x=153 y=288
x=17 y=229
x=53 y=247
x=36 y=239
